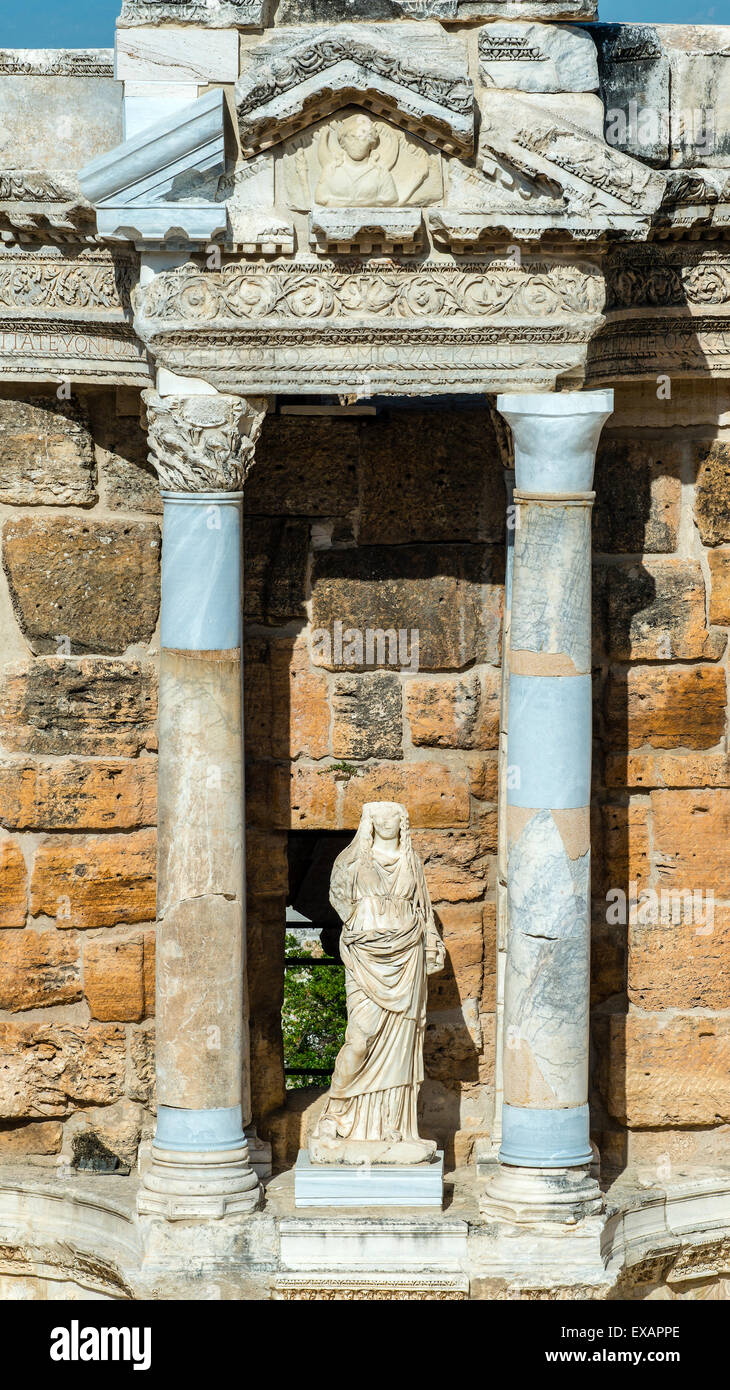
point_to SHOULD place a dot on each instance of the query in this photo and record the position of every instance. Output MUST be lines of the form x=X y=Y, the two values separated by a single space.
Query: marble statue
x=367 y=163
x=389 y=945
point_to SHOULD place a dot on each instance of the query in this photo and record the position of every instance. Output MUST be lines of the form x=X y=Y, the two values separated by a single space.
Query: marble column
x=201 y=446
x=545 y=1154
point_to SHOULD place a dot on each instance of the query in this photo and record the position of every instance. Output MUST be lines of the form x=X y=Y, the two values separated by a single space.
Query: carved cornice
x=57 y=62
x=38 y=206
x=420 y=79
x=203 y=443
x=243 y=14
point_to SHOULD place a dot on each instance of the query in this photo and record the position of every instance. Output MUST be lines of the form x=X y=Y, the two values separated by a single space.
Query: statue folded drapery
x=389 y=945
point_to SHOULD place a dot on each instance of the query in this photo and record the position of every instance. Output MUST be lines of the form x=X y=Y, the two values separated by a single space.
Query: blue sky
x=90 y=23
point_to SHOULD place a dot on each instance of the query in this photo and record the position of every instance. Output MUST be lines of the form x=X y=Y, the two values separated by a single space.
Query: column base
x=529 y=1195
x=182 y=1186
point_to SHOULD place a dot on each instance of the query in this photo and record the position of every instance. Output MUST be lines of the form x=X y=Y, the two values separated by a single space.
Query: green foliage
x=314 y=1016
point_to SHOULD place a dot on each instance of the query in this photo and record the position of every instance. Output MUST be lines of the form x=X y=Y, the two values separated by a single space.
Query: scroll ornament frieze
x=679 y=280
x=500 y=289
x=46 y=282
x=203 y=443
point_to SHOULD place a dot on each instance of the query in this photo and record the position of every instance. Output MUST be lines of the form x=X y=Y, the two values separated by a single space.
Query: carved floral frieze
x=499 y=288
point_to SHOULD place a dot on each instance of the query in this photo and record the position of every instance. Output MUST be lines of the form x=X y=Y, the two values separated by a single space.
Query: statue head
x=358 y=136
x=389 y=819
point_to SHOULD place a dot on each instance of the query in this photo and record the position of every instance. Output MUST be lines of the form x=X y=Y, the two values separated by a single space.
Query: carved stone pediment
x=417 y=77
x=38 y=206
x=159 y=186
x=538 y=173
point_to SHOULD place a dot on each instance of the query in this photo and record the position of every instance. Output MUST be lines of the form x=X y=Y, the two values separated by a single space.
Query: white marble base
x=374 y=1185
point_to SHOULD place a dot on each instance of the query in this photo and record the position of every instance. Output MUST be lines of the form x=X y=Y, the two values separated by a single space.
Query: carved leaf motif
x=203 y=443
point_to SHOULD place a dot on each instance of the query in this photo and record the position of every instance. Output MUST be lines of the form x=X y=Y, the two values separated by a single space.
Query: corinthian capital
x=203 y=443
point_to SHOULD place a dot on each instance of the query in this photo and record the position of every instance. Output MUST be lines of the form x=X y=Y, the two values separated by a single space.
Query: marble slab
x=379 y=1185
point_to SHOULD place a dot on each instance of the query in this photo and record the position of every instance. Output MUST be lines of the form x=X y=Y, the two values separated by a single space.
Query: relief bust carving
x=356 y=161
x=389 y=945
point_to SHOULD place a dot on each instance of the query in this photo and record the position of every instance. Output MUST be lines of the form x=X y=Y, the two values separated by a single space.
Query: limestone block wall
x=661 y=979
x=356 y=526
x=79 y=599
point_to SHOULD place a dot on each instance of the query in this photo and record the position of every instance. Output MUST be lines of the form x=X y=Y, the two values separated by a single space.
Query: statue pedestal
x=371 y=1185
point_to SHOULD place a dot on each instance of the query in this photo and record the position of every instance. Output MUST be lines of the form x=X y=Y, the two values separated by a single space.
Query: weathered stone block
x=463 y=936
x=177 y=54
x=451 y=1052
x=483 y=774
x=13 y=885
x=243 y=13
x=450 y=596
x=46 y=454
x=712 y=491
x=114 y=980
x=142 y=1058
x=656 y=612
x=100 y=881
x=48 y=1069
x=128 y=481
x=691 y=833
x=634 y=74
x=455 y=713
x=455 y=862
x=275 y=552
x=699 y=94
x=625 y=858
x=300 y=712
x=92 y=584
x=93 y=707
x=435 y=795
x=529 y=57
x=305 y=466
x=719 y=561
x=667 y=770
x=39 y=970
x=432 y=476
x=681 y=964
x=87 y=109
x=304 y=798
x=666 y=706
x=267 y=867
x=18 y=1141
x=367 y=716
x=669 y=1070
x=76 y=795
x=638 y=496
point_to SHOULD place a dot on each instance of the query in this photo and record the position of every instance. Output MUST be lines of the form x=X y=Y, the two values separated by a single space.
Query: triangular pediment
x=538 y=173
x=159 y=185
x=418 y=79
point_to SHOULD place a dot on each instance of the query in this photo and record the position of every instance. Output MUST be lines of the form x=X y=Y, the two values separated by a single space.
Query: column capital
x=555 y=438
x=203 y=443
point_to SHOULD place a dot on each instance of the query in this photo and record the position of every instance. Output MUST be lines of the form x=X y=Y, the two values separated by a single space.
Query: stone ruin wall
x=361 y=520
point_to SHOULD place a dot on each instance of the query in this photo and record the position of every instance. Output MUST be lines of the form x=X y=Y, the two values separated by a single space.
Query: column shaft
x=200 y=1160
x=545 y=1151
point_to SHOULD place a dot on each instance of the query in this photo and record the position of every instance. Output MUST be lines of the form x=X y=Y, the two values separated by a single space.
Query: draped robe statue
x=389 y=944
